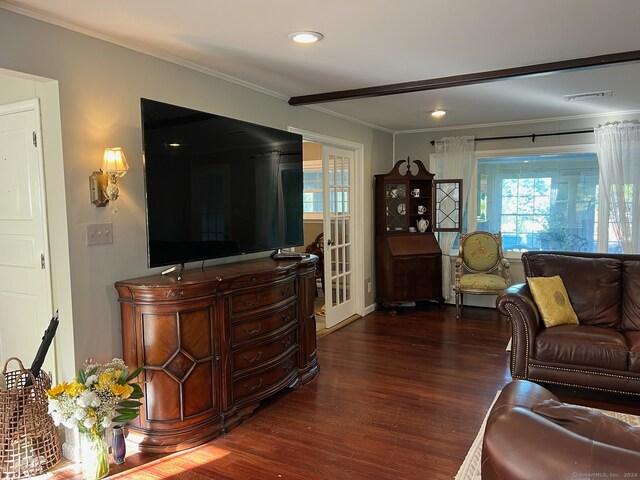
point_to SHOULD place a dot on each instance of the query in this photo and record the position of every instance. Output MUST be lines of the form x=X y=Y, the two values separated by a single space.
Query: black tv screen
x=216 y=186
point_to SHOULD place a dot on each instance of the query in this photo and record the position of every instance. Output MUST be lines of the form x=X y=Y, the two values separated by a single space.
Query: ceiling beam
x=468 y=79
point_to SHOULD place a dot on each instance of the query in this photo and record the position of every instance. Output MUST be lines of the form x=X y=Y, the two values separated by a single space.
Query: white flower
x=89 y=422
x=88 y=398
x=91 y=379
x=54 y=405
x=106 y=422
x=79 y=414
x=56 y=418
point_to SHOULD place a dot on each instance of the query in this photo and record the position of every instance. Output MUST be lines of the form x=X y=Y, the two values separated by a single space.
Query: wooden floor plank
x=399 y=396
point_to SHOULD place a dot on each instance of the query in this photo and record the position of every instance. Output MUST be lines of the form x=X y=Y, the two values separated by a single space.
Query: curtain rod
x=533 y=136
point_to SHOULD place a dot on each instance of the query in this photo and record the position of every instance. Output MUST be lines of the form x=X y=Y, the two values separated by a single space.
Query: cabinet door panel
x=162 y=396
x=417 y=278
x=197 y=391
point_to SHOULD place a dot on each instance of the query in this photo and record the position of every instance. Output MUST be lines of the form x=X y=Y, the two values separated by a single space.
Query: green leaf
x=137 y=391
x=123 y=376
x=127 y=411
x=134 y=374
x=129 y=404
x=82 y=377
x=122 y=418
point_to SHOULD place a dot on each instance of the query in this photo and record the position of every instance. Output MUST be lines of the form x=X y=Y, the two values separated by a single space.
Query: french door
x=338 y=165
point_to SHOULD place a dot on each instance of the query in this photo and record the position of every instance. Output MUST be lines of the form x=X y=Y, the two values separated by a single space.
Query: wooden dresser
x=215 y=344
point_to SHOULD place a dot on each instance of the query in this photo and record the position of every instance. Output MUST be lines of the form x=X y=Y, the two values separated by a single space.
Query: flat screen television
x=216 y=186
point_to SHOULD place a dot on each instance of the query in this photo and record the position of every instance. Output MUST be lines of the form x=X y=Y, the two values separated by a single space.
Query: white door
x=25 y=287
x=337 y=166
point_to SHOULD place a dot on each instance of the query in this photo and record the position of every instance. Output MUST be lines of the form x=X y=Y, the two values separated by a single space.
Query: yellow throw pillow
x=552 y=301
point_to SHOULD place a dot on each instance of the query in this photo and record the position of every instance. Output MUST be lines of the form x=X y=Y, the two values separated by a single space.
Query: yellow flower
x=104 y=381
x=58 y=389
x=122 y=391
x=74 y=388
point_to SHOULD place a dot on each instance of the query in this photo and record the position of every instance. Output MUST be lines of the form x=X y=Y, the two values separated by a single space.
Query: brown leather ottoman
x=530 y=434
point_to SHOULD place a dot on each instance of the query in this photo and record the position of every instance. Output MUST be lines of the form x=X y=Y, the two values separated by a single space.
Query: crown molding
x=519 y=122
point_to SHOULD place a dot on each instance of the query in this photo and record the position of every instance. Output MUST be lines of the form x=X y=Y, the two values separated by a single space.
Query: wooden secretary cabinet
x=410 y=205
x=214 y=344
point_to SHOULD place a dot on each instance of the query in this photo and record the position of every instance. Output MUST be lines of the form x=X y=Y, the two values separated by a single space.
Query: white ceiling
x=376 y=42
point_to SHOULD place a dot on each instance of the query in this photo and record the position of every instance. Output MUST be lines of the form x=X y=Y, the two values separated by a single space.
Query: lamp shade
x=114 y=161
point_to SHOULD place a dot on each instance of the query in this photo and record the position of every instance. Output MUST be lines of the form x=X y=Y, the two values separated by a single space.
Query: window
x=312 y=191
x=313 y=195
x=547 y=202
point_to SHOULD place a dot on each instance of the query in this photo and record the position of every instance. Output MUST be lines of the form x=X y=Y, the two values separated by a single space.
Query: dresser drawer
x=255 y=328
x=256 y=384
x=259 y=278
x=260 y=297
x=256 y=356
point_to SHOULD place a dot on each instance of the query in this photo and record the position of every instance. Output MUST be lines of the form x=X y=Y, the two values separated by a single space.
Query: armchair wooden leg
x=457 y=305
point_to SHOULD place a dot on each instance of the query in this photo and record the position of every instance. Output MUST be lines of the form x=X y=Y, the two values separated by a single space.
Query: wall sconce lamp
x=103 y=185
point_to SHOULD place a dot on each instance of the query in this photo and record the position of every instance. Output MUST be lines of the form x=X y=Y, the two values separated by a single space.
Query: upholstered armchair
x=481 y=268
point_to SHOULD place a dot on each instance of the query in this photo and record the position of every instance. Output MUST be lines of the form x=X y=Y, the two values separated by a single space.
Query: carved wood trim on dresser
x=215 y=344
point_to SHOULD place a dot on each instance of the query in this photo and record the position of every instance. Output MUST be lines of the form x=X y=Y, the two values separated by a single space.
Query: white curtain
x=454 y=158
x=618 y=149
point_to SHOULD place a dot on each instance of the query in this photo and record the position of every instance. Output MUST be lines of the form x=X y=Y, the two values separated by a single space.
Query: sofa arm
x=517 y=303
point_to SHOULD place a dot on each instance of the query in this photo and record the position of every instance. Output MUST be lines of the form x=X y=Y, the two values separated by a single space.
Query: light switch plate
x=99 y=233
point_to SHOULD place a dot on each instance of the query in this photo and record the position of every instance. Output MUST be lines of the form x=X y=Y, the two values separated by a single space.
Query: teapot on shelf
x=422 y=224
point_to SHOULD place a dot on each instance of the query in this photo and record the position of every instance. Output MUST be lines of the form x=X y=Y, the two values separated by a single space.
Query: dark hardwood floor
x=398 y=397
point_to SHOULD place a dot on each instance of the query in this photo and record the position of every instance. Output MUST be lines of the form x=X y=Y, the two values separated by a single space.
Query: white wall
x=100 y=85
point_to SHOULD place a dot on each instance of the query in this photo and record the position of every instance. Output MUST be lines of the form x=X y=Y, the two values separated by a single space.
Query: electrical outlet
x=368 y=287
x=99 y=233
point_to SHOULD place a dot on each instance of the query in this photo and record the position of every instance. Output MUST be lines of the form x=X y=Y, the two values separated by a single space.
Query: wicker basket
x=29 y=442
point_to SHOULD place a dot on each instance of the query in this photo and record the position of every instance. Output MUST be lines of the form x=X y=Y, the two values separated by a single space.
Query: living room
x=89 y=92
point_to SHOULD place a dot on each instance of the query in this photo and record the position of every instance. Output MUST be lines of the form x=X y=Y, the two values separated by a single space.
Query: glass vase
x=119 y=446
x=94 y=454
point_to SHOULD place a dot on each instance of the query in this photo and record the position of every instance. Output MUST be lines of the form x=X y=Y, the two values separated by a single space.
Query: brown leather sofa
x=531 y=434
x=603 y=351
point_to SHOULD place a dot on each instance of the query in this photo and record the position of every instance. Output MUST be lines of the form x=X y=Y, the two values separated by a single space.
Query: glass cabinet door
x=447 y=205
x=396 y=206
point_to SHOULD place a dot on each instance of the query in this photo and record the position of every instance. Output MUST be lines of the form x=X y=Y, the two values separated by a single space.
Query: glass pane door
x=339 y=303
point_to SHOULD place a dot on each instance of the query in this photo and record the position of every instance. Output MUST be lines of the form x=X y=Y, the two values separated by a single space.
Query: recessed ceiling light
x=306 y=37
x=438 y=113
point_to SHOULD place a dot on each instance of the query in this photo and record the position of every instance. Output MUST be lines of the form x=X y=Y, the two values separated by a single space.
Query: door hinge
x=35 y=140
x=42 y=261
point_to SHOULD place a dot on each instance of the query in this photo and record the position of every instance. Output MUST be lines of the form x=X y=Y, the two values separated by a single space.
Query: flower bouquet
x=99 y=395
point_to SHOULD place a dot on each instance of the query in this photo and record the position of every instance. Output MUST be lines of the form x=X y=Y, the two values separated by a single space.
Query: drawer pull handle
x=286 y=317
x=254 y=359
x=252 y=388
x=286 y=292
x=175 y=293
x=252 y=303
x=254 y=331
x=286 y=342
x=287 y=368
